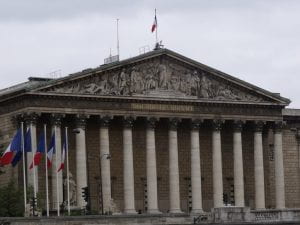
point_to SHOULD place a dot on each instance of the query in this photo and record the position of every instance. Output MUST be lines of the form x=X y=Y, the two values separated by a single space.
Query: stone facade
x=161 y=125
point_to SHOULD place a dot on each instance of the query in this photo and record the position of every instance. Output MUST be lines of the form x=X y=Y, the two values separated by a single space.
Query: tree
x=11 y=201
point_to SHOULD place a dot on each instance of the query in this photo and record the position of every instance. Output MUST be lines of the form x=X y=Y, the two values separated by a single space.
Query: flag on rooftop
x=154 y=25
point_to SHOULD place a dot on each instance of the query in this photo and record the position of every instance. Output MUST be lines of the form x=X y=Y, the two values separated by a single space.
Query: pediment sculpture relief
x=160 y=79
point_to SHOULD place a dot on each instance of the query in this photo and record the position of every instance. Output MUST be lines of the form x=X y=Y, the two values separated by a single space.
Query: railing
x=266 y=215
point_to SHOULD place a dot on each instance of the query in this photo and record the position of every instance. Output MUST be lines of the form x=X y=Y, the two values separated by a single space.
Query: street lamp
x=106 y=156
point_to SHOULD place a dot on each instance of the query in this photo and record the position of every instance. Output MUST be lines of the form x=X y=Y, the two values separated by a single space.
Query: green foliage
x=11 y=201
x=40 y=198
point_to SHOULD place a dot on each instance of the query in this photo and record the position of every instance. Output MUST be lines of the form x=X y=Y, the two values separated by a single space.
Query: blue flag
x=16 y=146
x=27 y=141
x=17 y=158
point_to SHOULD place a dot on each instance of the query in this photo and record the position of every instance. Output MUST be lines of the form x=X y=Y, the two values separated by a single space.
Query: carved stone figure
x=123 y=83
x=136 y=81
x=174 y=83
x=205 y=87
x=162 y=76
x=113 y=208
x=194 y=84
x=150 y=81
x=91 y=88
x=112 y=85
x=72 y=189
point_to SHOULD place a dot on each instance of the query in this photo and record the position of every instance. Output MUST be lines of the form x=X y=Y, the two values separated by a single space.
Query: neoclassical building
x=160 y=133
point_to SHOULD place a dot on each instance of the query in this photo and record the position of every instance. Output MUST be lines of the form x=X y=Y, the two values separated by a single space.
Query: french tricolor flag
x=51 y=150
x=14 y=146
x=154 y=25
x=62 y=164
x=39 y=152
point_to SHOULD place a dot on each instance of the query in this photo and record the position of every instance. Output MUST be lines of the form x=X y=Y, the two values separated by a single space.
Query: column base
x=153 y=211
x=196 y=211
x=130 y=211
x=175 y=211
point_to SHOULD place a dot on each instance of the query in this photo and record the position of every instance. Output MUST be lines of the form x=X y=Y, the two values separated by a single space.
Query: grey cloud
x=31 y=10
x=256 y=40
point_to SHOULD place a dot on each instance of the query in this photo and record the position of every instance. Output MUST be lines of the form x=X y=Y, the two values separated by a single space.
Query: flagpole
x=68 y=177
x=46 y=168
x=56 y=155
x=156 y=28
x=33 y=153
x=24 y=167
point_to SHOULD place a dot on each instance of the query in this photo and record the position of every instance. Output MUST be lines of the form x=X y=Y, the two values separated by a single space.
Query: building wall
x=7 y=131
x=290 y=149
x=291 y=168
x=139 y=154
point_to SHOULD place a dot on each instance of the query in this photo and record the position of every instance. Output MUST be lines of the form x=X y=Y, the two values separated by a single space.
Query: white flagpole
x=156 y=27
x=24 y=167
x=33 y=153
x=46 y=168
x=68 y=177
x=56 y=155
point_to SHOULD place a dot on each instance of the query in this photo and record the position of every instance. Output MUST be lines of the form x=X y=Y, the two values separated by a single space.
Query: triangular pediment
x=164 y=74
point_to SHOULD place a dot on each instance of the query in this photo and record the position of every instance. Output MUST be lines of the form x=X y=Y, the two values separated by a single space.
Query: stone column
x=174 y=167
x=151 y=166
x=32 y=174
x=238 y=164
x=259 y=167
x=128 y=172
x=81 y=161
x=217 y=164
x=105 y=163
x=196 y=168
x=279 y=169
x=57 y=178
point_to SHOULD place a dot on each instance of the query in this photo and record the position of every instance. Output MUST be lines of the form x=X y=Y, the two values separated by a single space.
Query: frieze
x=160 y=79
x=162 y=107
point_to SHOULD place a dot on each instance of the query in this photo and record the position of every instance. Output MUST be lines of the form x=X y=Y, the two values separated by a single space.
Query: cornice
x=138 y=99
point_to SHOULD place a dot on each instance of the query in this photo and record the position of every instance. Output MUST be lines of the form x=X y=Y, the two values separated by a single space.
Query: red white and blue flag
x=39 y=151
x=51 y=150
x=14 y=146
x=154 y=25
x=63 y=157
x=27 y=148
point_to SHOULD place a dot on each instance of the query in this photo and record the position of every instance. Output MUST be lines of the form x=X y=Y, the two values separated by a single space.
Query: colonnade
x=174 y=185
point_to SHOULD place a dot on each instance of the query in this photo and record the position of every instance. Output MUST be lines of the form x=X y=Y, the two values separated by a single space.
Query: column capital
x=173 y=123
x=104 y=120
x=80 y=120
x=259 y=125
x=56 y=119
x=151 y=122
x=217 y=124
x=278 y=125
x=31 y=118
x=238 y=125
x=17 y=119
x=195 y=124
x=128 y=121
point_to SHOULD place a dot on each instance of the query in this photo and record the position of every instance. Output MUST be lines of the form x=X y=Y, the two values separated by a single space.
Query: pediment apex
x=162 y=73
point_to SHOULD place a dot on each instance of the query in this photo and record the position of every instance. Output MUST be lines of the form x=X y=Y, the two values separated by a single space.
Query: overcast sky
x=255 y=40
